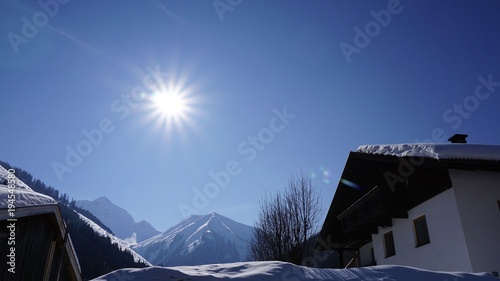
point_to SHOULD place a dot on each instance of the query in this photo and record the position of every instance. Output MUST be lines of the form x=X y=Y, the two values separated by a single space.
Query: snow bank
x=267 y=271
x=436 y=151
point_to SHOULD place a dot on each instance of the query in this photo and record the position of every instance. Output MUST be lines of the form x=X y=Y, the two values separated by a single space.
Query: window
x=390 y=250
x=421 y=232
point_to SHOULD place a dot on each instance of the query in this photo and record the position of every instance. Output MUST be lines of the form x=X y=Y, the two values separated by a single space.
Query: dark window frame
x=421 y=231
x=390 y=248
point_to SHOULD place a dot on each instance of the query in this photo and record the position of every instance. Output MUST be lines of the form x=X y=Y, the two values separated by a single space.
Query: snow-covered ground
x=267 y=271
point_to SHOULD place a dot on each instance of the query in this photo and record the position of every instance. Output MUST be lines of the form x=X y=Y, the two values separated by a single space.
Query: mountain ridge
x=198 y=239
x=118 y=220
x=123 y=245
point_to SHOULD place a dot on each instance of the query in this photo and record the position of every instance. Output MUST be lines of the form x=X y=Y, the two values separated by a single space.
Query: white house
x=432 y=206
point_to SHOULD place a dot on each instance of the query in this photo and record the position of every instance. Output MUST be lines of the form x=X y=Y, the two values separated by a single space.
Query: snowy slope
x=118 y=220
x=123 y=245
x=267 y=271
x=200 y=239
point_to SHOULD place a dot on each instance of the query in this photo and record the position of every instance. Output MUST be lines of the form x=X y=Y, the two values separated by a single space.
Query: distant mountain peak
x=102 y=199
x=118 y=219
x=198 y=239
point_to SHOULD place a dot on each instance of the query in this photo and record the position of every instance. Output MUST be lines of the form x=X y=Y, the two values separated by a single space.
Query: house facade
x=432 y=206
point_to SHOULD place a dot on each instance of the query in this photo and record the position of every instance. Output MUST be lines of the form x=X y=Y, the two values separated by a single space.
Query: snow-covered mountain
x=118 y=220
x=123 y=245
x=198 y=239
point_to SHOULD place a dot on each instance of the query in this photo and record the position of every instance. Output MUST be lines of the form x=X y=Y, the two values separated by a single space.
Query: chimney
x=458 y=138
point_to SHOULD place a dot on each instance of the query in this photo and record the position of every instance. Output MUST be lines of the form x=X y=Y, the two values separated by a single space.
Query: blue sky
x=270 y=88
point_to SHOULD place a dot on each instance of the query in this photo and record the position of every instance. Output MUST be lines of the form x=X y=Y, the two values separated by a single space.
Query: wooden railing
x=366 y=207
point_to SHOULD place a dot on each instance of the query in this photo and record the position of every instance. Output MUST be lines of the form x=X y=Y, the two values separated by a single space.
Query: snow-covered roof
x=4 y=174
x=436 y=151
x=24 y=196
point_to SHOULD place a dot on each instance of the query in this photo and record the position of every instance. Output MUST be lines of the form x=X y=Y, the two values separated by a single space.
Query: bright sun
x=173 y=106
x=170 y=104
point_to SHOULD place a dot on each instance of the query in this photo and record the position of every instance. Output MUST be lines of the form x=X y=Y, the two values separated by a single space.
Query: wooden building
x=34 y=243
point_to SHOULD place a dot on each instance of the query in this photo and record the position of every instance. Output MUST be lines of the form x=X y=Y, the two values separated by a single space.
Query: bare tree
x=285 y=223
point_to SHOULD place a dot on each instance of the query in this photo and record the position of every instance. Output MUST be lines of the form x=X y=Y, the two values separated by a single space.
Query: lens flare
x=321 y=173
x=351 y=184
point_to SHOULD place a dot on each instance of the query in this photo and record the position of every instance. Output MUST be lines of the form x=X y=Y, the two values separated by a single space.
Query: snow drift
x=267 y=271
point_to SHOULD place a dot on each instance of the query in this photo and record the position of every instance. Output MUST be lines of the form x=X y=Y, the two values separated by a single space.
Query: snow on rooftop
x=436 y=151
x=24 y=195
x=24 y=198
x=4 y=173
x=274 y=270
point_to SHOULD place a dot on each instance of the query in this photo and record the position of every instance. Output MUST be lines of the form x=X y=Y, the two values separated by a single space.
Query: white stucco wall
x=447 y=250
x=477 y=193
x=365 y=255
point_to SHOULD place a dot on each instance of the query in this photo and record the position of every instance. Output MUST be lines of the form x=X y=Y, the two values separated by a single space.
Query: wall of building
x=477 y=193
x=365 y=255
x=447 y=250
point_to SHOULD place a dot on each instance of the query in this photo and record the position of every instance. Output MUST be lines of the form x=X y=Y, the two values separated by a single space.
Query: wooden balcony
x=369 y=212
